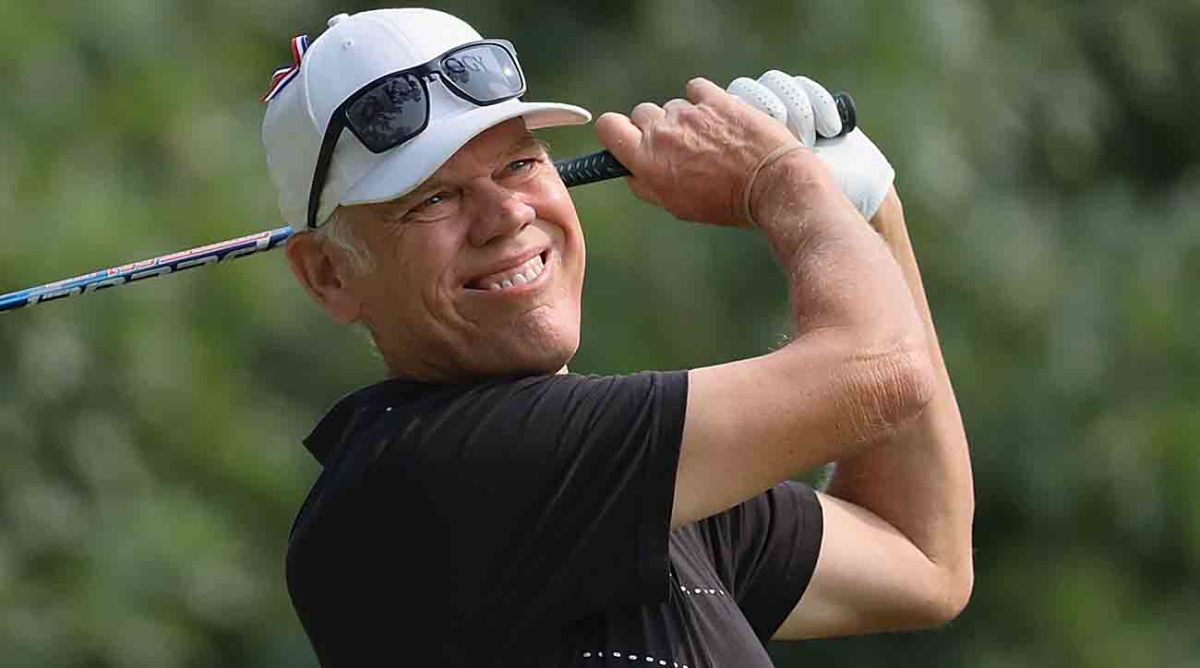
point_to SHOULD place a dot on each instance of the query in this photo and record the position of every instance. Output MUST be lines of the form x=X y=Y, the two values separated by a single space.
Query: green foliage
x=1050 y=169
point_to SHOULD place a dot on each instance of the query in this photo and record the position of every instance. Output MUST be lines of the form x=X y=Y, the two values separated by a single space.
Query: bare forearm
x=856 y=327
x=840 y=273
x=919 y=479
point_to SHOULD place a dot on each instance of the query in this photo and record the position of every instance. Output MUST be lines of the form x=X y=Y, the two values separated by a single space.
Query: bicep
x=753 y=423
x=869 y=578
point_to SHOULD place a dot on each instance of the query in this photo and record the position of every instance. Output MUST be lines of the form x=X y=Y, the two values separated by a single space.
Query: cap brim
x=410 y=164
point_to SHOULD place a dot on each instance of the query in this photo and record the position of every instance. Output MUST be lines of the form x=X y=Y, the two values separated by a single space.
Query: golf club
x=581 y=170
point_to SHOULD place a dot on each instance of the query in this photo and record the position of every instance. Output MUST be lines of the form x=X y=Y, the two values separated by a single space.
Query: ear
x=323 y=273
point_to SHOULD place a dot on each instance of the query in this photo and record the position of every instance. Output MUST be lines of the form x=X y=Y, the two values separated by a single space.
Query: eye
x=523 y=165
x=434 y=206
x=433 y=201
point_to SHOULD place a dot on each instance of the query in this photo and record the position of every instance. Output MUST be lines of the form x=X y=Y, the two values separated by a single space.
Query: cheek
x=554 y=197
x=554 y=205
x=409 y=270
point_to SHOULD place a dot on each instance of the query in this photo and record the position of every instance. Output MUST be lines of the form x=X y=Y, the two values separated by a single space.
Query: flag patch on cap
x=284 y=75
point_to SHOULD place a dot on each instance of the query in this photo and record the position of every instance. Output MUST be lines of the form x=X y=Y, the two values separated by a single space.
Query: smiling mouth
x=526 y=273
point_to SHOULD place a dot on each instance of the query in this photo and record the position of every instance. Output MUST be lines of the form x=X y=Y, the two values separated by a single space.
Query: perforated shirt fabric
x=526 y=522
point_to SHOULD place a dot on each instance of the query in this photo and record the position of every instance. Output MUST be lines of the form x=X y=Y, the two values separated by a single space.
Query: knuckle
x=688 y=113
x=667 y=138
x=676 y=105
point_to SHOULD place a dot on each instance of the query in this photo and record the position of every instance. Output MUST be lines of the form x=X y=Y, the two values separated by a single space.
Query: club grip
x=847 y=112
x=601 y=165
x=590 y=168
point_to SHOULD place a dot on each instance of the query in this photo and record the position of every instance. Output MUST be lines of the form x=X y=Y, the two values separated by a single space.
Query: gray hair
x=338 y=232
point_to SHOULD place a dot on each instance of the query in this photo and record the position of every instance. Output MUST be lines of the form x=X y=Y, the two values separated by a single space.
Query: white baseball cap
x=352 y=52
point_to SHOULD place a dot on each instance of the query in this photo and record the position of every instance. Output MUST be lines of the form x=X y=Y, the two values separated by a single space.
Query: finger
x=701 y=90
x=795 y=100
x=756 y=95
x=621 y=137
x=674 y=105
x=827 y=119
x=646 y=114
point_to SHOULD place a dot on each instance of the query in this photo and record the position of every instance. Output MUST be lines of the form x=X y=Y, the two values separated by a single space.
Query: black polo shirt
x=525 y=522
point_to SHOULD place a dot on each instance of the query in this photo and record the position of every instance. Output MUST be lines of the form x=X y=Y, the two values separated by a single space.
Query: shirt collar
x=343 y=418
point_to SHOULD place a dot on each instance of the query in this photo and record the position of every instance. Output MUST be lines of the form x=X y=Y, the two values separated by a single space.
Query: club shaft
x=578 y=171
x=575 y=171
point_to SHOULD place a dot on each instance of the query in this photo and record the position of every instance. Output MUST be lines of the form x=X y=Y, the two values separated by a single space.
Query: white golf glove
x=810 y=112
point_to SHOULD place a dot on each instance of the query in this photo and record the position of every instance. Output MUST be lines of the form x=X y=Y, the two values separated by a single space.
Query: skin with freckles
x=438 y=251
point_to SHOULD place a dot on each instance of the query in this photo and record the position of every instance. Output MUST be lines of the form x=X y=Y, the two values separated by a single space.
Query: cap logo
x=284 y=75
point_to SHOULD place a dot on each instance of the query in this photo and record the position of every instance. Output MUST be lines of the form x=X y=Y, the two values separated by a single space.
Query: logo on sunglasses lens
x=460 y=67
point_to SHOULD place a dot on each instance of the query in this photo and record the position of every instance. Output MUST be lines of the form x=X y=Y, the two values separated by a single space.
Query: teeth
x=531 y=269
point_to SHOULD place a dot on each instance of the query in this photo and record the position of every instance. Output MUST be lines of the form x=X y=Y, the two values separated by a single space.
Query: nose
x=500 y=213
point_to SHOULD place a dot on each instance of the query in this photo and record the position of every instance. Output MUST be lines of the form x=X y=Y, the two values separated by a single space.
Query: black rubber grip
x=590 y=168
x=602 y=166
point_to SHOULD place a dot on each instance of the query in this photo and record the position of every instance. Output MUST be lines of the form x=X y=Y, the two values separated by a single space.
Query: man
x=483 y=506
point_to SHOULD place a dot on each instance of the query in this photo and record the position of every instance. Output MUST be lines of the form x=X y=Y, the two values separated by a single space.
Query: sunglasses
x=395 y=107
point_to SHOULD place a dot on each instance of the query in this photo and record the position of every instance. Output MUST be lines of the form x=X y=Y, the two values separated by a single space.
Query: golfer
x=482 y=506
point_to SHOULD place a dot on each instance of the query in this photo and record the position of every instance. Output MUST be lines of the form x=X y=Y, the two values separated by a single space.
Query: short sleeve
x=768 y=547
x=537 y=500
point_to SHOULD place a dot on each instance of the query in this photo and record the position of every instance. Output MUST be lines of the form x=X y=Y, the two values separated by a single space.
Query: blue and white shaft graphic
x=138 y=271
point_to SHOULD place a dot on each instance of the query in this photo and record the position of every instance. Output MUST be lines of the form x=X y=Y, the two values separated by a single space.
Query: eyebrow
x=524 y=143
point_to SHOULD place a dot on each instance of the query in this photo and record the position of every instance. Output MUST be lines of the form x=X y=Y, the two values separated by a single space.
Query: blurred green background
x=1047 y=155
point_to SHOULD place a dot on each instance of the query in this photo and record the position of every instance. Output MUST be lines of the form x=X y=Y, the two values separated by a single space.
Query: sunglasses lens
x=485 y=73
x=390 y=113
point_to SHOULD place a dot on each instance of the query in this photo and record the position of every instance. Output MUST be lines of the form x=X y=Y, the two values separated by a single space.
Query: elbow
x=888 y=389
x=955 y=597
x=912 y=381
x=947 y=600
x=963 y=593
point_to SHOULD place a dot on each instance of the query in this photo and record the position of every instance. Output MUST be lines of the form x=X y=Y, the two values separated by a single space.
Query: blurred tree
x=1050 y=168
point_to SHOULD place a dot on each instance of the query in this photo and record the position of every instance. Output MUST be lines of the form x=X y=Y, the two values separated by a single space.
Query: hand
x=810 y=114
x=694 y=157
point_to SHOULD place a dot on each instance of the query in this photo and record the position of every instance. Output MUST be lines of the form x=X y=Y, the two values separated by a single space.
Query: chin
x=542 y=349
